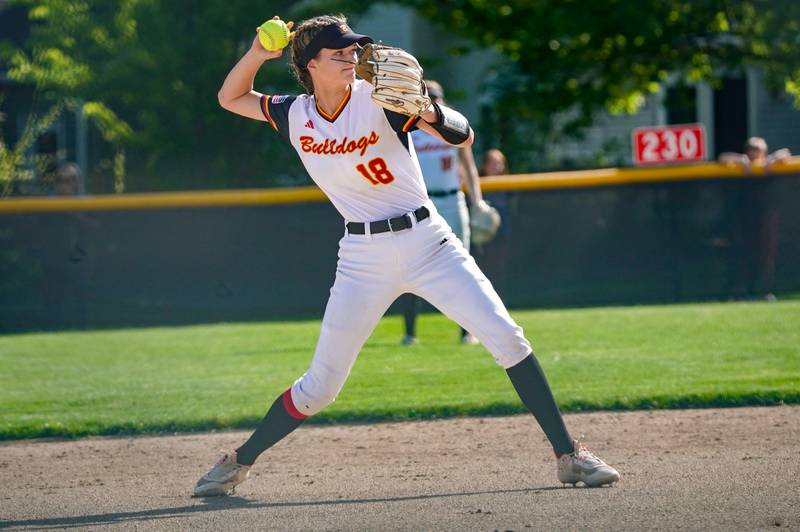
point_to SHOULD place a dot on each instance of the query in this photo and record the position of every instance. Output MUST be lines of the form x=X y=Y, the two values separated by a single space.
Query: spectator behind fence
x=755 y=155
x=753 y=223
x=494 y=163
x=67 y=256
x=68 y=180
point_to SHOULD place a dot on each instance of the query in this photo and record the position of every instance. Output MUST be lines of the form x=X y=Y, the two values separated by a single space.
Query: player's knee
x=509 y=359
x=510 y=349
x=311 y=395
x=312 y=405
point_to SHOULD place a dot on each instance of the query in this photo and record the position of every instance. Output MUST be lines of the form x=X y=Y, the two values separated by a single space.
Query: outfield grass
x=226 y=375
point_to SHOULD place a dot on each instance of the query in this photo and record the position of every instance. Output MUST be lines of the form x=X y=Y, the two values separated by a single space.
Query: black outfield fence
x=568 y=239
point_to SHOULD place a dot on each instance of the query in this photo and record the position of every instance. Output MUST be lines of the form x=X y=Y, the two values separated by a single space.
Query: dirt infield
x=732 y=469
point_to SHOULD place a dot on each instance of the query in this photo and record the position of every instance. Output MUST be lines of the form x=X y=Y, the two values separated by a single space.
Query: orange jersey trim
x=265 y=110
x=338 y=111
x=411 y=122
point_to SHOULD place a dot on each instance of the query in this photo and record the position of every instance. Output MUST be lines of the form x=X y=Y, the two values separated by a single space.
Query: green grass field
x=226 y=375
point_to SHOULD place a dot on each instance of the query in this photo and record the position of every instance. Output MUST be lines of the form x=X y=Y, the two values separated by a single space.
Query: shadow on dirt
x=215 y=504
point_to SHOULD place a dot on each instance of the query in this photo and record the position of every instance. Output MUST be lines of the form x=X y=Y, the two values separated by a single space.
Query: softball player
x=444 y=168
x=394 y=240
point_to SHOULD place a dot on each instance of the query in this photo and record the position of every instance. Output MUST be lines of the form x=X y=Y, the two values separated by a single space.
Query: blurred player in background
x=445 y=168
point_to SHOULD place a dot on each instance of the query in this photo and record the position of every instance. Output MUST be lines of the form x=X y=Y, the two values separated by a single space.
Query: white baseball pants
x=372 y=271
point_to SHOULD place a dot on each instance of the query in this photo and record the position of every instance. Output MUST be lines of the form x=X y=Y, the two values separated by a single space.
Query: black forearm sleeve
x=451 y=125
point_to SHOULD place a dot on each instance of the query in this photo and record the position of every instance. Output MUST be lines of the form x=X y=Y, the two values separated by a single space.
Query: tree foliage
x=570 y=59
x=147 y=73
x=16 y=165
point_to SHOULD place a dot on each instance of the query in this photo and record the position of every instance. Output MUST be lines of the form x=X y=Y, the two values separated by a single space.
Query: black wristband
x=451 y=125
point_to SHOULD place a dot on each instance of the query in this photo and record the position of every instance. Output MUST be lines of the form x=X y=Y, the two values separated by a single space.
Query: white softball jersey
x=438 y=161
x=361 y=156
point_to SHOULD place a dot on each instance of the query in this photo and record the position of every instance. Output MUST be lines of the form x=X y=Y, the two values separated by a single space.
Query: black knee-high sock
x=411 y=305
x=531 y=385
x=281 y=419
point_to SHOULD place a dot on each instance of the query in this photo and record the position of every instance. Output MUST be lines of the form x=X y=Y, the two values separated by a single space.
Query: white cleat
x=583 y=466
x=223 y=478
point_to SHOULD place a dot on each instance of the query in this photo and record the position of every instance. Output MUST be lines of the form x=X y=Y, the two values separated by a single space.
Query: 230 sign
x=669 y=144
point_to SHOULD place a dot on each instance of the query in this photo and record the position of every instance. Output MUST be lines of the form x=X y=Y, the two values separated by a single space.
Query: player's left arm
x=468 y=172
x=447 y=124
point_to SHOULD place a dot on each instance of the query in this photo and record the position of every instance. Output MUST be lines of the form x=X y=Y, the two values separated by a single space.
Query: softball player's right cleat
x=583 y=466
x=223 y=478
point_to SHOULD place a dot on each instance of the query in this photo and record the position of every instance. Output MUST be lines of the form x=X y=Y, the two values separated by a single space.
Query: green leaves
x=148 y=70
x=113 y=128
x=792 y=86
x=15 y=162
x=48 y=69
x=65 y=60
x=146 y=73
x=577 y=58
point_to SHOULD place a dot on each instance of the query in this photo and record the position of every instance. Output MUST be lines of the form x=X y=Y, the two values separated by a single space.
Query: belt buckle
x=405 y=218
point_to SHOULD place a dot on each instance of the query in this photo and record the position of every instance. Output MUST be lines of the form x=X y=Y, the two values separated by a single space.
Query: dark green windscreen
x=700 y=240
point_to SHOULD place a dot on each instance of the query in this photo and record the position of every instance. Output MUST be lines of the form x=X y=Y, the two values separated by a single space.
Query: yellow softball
x=273 y=35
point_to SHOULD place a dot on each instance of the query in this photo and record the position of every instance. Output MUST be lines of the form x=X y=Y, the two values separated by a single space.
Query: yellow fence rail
x=538 y=181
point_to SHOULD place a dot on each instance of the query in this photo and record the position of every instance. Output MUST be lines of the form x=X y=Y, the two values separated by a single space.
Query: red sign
x=669 y=144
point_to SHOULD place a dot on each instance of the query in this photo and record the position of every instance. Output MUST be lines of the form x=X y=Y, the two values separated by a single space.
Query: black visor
x=335 y=37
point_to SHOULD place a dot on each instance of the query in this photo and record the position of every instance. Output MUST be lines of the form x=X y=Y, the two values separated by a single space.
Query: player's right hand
x=266 y=55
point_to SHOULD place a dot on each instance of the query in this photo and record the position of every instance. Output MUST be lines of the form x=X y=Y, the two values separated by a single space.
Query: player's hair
x=305 y=32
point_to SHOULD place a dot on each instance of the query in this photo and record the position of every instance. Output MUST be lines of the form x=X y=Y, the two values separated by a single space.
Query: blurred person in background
x=66 y=256
x=756 y=154
x=494 y=163
x=753 y=222
x=67 y=180
x=445 y=168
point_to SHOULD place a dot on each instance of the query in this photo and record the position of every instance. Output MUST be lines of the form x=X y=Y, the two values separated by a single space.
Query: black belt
x=392 y=224
x=442 y=193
